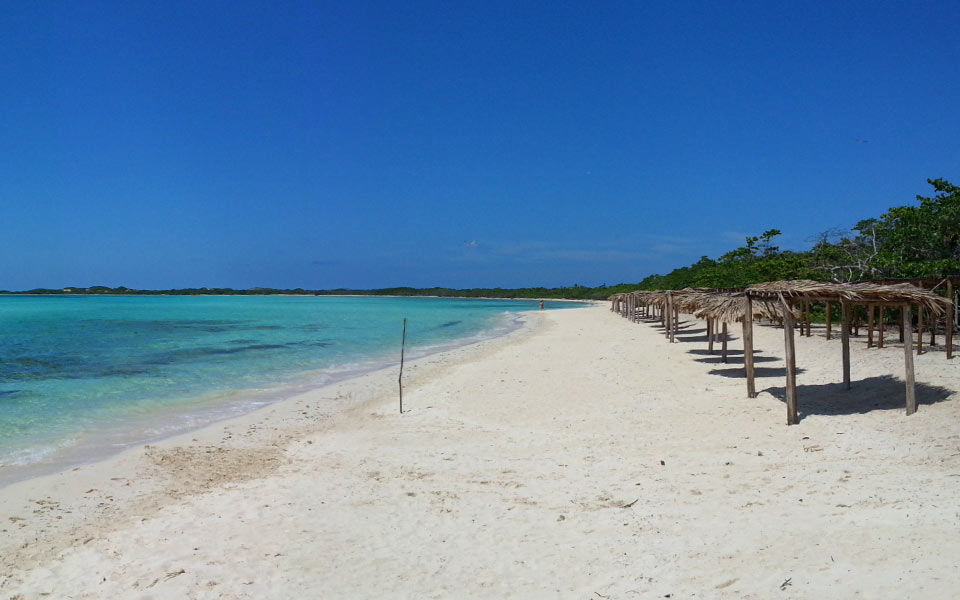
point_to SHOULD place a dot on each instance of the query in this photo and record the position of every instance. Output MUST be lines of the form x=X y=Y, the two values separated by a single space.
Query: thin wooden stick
x=403 y=344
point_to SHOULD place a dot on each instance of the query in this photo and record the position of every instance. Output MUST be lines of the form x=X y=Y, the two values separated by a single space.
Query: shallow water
x=82 y=377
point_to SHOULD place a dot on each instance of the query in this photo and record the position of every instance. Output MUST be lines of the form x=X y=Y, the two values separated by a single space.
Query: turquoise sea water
x=82 y=377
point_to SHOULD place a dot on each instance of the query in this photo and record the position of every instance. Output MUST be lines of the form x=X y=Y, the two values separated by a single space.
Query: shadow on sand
x=738 y=372
x=874 y=393
x=735 y=360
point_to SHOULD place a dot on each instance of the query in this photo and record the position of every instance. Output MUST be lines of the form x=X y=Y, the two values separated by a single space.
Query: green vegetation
x=904 y=242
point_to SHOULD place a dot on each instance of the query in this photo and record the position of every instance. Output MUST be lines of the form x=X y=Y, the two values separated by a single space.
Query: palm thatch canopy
x=730 y=307
x=855 y=293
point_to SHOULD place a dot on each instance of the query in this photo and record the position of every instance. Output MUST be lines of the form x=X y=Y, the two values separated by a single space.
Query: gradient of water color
x=82 y=377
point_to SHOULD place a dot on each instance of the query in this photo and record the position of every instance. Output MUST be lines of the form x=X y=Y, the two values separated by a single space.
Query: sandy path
x=589 y=459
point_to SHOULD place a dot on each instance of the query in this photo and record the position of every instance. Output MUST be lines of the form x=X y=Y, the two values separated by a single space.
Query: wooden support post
x=748 y=348
x=667 y=317
x=809 y=320
x=829 y=322
x=882 y=326
x=676 y=324
x=710 y=327
x=951 y=312
x=723 y=342
x=908 y=360
x=791 y=363
x=919 y=330
x=870 y=310
x=845 y=341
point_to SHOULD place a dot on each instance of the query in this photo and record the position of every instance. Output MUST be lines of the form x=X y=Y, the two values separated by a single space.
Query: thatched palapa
x=847 y=294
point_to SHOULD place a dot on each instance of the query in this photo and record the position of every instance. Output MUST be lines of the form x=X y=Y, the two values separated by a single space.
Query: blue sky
x=461 y=144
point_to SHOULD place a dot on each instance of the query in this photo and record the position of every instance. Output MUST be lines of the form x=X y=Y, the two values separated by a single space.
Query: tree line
x=914 y=241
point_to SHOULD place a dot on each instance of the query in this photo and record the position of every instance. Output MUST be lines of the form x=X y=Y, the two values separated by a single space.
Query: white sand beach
x=581 y=457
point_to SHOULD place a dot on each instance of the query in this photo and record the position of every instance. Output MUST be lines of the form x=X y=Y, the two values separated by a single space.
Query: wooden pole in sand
x=870 y=310
x=403 y=344
x=919 y=330
x=676 y=324
x=881 y=327
x=951 y=310
x=748 y=348
x=829 y=322
x=845 y=341
x=908 y=360
x=723 y=343
x=667 y=316
x=791 y=363
x=710 y=327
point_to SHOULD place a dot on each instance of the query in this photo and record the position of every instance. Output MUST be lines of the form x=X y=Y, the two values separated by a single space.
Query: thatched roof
x=731 y=306
x=857 y=293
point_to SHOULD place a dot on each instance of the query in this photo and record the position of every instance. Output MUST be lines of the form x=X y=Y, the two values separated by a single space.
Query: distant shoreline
x=572 y=292
x=530 y=298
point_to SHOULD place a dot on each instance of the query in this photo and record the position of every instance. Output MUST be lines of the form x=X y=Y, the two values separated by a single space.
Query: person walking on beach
x=541 y=305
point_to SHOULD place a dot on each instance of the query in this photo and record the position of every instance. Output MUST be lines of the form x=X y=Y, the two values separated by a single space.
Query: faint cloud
x=538 y=252
x=324 y=263
x=734 y=236
x=471 y=244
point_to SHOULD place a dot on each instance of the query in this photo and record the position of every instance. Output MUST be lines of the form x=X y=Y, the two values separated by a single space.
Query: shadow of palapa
x=734 y=360
x=739 y=372
x=885 y=392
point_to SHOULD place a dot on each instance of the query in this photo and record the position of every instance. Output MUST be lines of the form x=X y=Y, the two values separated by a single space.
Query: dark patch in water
x=35 y=362
x=8 y=393
x=449 y=324
x=186 y=354
x=26 y=367
x=314 y=327
x=124 y=372
x=312 y=344
x=241 y=341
